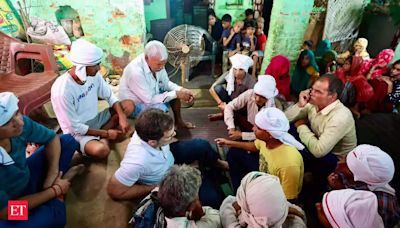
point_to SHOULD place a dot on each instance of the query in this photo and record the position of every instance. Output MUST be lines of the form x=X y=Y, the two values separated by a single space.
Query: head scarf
x=266 y=86
x=301 y=76
x=5 y=158
x=331 y=54
x=238 y=61
x=83 y=54
x=364 y=44
x=276 y=123
x=372 y=166
x=262 y=201
x=356 y=64
x=349 y=94
x=8 y=107
x=351 y=208
x=384 y=57
x=279 y=68
x=328 y=56
x=323 y=47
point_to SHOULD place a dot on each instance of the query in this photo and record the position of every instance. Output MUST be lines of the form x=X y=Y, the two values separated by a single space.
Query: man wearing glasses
x=153 y=150
x=324 y=125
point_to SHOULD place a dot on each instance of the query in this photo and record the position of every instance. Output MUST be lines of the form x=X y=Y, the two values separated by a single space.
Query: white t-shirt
x=76 y=104
x=138 y=84
x=144 y=164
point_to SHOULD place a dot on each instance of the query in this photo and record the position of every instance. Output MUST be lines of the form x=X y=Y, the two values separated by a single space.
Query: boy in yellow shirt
x=285 y=162
x=278 y=150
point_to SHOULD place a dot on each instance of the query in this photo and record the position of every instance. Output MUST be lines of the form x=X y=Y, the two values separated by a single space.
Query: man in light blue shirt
x=151 y=153
x=143 y=163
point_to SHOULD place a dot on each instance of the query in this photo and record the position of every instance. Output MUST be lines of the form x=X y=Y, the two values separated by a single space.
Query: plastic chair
x=32 y=88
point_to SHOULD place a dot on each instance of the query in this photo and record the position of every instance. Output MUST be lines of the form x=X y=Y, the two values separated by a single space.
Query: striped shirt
x=394 y=96
x=388 y=206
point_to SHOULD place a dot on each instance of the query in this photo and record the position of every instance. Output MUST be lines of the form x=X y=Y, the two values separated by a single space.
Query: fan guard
x=182 y=42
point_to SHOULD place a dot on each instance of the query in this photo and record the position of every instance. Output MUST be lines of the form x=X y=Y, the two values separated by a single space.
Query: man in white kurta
x=74 y=96
x=145 y=84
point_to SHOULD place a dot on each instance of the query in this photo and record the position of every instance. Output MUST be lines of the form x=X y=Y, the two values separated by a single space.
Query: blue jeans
x=140 y=107
x=222 y=93
x=52 y=213
x=188 y=151
x=241 y=163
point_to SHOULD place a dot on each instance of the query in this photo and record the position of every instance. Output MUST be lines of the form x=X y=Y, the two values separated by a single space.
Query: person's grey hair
x=179 y=187
x=155 y=48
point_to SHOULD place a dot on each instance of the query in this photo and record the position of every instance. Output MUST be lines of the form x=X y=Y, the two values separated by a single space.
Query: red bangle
x=54 y=190
x=60 y=188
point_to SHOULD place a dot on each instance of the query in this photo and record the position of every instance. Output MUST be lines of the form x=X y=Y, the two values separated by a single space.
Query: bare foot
x=77 y=158
x=216 y=116
x=222 y=165
x=121 y=137
x=73 y=171
x=186 y=125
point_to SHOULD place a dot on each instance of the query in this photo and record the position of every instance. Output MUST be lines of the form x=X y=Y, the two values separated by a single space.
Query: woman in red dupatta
x=279 y=69
x=374 y=69
x=357 y=91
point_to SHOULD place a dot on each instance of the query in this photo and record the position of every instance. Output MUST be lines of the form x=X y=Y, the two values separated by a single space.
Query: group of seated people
x=371 y=85
x=246 y=37
x=270 y=149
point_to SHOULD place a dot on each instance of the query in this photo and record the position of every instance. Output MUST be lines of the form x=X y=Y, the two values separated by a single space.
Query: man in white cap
x=41 y=179
x=232 y=83
x=74 y=96
x=277 y=151
x=263 y=95
x=260 y=202
x=369 y=168
x=349 y=208
x=324 y=125
x=145 y=84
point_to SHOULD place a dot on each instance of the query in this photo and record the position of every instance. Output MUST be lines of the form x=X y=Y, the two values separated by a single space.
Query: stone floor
x=88 y=204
